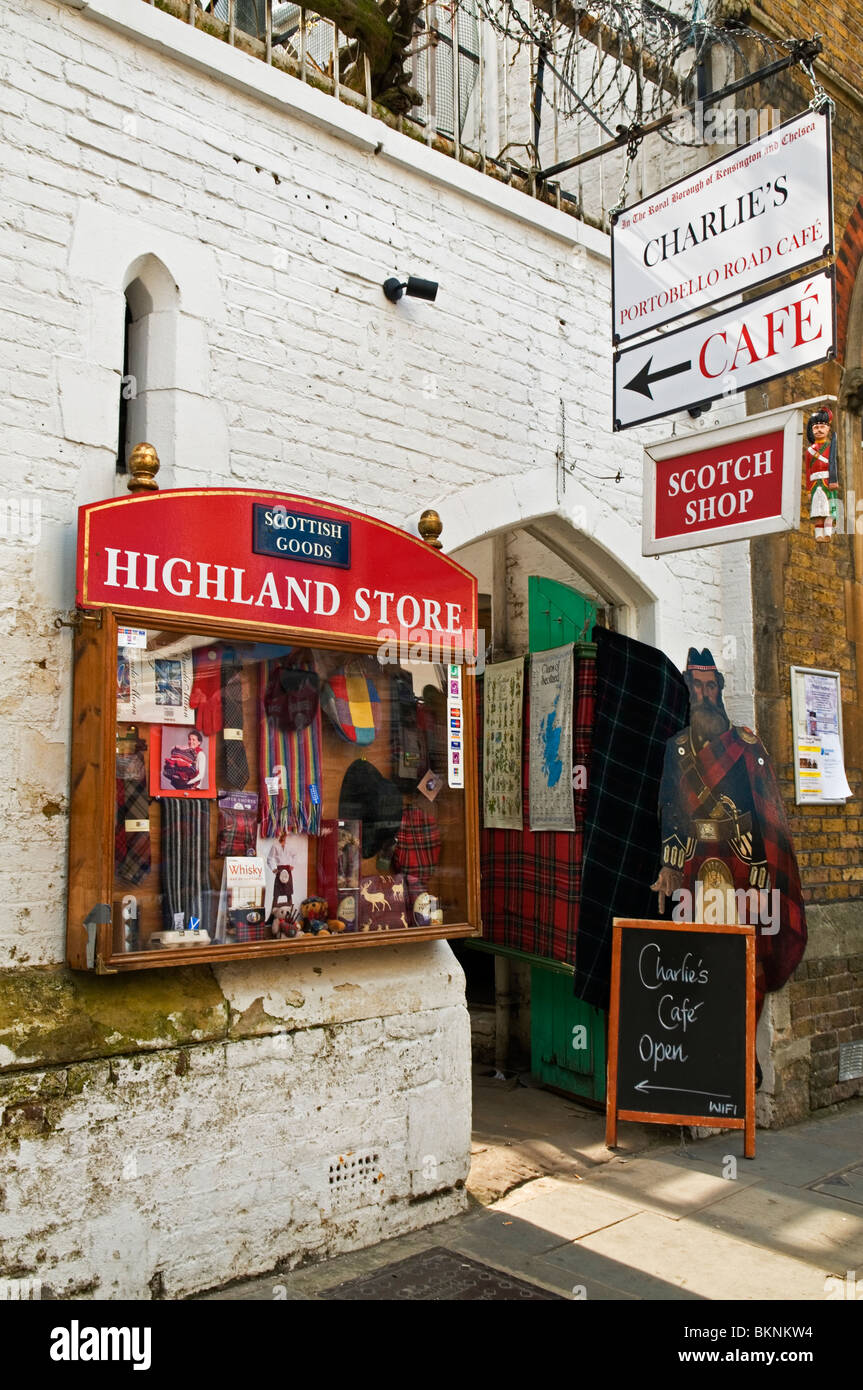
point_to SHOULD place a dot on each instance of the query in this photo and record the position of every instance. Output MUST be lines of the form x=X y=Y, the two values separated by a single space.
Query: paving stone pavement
x=685 y=1220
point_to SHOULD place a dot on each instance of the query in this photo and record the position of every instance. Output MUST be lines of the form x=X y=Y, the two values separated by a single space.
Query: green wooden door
x=567 y=1036
x=556 y=614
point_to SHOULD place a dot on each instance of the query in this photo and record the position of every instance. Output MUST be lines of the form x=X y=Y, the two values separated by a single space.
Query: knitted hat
x=291 y=697
x=368 y=797
x=352 y=704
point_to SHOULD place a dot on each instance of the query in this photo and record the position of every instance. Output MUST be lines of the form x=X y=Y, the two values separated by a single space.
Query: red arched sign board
x=273 y=560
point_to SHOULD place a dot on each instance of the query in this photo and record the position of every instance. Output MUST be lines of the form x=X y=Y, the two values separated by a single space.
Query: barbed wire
x=636 y=58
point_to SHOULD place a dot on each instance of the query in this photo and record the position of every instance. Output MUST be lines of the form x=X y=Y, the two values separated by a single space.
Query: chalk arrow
x=644 y=378
x=679 y=1090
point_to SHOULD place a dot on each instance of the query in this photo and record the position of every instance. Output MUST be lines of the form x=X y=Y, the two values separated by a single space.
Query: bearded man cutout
x=724 y=828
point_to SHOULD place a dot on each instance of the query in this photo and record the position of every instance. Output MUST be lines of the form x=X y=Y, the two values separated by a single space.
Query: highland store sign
x=215 y=554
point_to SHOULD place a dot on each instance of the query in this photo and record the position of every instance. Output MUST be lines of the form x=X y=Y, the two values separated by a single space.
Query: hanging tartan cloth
x=641 y=700
x=290 y=757
x=531 y=880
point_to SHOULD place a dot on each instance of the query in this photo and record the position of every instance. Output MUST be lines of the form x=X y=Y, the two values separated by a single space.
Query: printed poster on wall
x=503 y=703
x=550 y=749
x=819 y=761
x=154 y=689
x=286 y=859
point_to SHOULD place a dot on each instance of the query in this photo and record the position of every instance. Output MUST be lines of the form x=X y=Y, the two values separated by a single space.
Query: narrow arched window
x=147 y=406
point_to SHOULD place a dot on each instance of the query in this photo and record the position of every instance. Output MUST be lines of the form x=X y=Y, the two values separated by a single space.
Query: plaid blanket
x=418 y=843
x=641 y=700
x=714 y=767
x=531 y=880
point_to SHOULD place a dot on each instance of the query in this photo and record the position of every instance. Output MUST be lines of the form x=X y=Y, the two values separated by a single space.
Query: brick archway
x=848 y=260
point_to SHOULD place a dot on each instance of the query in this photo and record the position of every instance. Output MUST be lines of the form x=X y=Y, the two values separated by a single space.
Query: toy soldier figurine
x=724 y=828
x=822 y=476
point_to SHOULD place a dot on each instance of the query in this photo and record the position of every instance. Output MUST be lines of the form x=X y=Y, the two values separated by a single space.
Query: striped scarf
x=290 y=772
x=185 y=860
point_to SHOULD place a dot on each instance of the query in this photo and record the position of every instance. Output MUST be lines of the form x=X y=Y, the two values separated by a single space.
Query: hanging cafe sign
x=754 y=215
x=759 y=212
x=777 y=333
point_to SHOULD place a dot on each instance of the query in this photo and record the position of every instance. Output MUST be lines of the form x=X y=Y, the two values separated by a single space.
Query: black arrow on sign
x=642 y=380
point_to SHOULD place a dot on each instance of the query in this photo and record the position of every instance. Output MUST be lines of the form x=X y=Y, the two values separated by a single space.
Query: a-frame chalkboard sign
x=681 y=1039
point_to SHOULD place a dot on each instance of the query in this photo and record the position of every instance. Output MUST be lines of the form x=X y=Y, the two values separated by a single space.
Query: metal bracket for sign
x=803 y=52
x=77 y=617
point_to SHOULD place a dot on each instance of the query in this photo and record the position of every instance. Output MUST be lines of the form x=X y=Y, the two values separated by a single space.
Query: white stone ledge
x=165 y=34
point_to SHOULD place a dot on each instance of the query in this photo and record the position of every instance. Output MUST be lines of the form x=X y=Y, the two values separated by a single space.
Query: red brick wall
x=803 y=591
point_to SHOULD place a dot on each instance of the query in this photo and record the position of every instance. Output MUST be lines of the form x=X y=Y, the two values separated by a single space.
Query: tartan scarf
x=781 y=953
x=131 y=847
x=418 y=843
x=295 y=803
x=531 y=880
x=238 y=832
x=641 y=700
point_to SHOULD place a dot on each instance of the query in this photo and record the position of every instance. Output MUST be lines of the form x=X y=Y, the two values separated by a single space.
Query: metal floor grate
x=435 y=1276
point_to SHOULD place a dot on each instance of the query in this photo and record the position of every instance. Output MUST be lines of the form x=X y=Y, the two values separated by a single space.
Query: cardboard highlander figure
x=724 y=830
x=822 y=473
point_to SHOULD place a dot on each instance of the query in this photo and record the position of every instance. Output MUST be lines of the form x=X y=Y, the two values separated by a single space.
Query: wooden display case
x=188 y=576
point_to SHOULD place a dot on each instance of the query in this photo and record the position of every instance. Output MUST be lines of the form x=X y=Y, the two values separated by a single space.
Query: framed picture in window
x=182 y=762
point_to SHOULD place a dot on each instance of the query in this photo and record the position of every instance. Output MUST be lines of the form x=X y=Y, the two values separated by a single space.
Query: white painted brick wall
x=214 y=1163
x=308 y=378
x=298 y=374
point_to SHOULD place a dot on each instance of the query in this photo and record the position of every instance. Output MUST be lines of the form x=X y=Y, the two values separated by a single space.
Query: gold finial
x=430 y=527
x=143 y=467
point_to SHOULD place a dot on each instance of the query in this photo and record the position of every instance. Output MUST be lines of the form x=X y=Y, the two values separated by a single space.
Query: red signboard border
x=787 y=418
x=428 y=556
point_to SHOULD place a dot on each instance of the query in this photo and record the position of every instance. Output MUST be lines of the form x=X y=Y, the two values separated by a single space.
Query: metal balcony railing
x=501 y=105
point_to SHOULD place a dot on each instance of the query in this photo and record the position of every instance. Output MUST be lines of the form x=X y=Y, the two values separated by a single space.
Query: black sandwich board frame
x=613 y=1114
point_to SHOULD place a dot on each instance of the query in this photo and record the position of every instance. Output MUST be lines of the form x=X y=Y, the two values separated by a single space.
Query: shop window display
x=275 y=794
x=261 y=763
